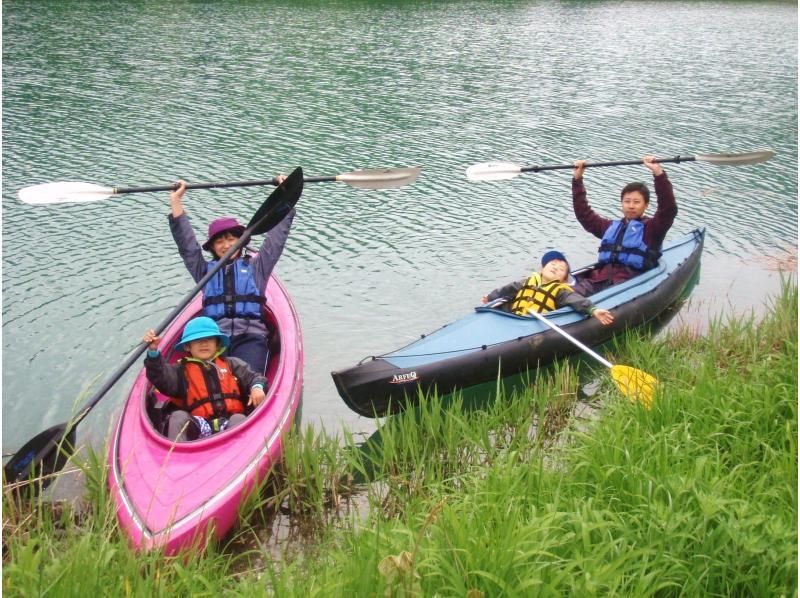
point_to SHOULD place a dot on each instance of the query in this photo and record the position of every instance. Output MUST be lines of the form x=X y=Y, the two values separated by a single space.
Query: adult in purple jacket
x=234 y=296
x=631 y=244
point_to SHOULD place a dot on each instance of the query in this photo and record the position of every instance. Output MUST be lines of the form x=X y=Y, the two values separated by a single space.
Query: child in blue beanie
x=547 y=290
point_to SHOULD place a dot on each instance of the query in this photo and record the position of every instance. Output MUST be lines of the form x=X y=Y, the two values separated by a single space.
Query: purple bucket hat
x=221 y=225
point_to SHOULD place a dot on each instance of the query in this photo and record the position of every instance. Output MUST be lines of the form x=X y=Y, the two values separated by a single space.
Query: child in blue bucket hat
x=546 y=290
x=234 y=296
x=211 y=392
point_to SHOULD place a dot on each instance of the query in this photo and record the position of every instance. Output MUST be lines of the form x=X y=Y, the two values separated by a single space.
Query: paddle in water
x=75 y=192
x=634 y=384
x=498 y=171
x=48 y=451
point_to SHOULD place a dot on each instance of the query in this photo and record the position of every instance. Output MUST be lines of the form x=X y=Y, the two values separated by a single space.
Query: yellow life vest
x=538 y=296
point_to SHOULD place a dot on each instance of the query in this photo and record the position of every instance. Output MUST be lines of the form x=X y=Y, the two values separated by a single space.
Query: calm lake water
x=134 y=94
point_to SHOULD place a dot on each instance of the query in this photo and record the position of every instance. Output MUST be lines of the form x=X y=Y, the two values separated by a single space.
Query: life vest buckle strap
x=218 y=405
x=218 y=423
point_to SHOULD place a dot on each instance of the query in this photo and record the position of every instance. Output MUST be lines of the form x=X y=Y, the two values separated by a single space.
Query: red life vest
x=211 y=389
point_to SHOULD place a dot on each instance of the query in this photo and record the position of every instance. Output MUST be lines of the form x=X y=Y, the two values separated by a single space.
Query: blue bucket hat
x=202 y=327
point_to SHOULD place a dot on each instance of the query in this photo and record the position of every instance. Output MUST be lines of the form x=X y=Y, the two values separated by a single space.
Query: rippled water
x=130 y=94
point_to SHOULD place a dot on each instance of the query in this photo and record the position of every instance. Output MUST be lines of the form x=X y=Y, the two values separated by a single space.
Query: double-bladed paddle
x=75 y=192
x=498 y=171
x=47 y=452
x=634 y=384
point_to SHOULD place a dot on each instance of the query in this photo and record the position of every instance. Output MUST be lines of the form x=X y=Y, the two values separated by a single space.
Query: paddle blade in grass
x=41 y=457
x=634 y=384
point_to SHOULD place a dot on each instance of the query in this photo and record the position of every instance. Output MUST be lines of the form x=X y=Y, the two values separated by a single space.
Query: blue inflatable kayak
x=475 y=348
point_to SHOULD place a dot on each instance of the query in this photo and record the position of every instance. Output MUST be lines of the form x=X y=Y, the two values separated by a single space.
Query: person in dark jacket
x=631 y=244
x=234 y=296
x=547 y=290
x=212 y=393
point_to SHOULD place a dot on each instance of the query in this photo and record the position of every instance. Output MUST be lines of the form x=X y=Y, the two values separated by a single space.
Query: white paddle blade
x=380 y=178
x=736 y=159
x=66 y=192
x=493 y=171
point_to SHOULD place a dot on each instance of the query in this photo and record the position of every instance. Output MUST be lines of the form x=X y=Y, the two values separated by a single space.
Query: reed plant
x=74 y=548
x=519 y=497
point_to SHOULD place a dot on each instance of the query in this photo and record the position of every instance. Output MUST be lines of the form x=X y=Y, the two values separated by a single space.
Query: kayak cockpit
x=159 y=406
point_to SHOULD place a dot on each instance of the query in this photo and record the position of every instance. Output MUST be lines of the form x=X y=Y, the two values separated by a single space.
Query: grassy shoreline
x=697 y=496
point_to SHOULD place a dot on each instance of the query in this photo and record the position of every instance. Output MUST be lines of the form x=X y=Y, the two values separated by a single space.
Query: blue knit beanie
x=554 y=255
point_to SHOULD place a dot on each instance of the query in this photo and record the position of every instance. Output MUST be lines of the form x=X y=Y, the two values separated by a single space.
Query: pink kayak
x=172 y=495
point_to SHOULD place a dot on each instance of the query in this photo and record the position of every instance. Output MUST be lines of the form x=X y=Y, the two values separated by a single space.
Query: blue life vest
x=623 y=243
x=232 y=292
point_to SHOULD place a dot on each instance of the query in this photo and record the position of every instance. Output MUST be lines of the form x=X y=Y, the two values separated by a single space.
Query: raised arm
x=165 y=377
x=591 y=221
x=271 y=250
x=667 y=208
x=176 y=199
x=188 y=247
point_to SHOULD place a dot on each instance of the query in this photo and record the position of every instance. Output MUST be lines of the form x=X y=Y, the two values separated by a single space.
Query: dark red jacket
x=655 y=228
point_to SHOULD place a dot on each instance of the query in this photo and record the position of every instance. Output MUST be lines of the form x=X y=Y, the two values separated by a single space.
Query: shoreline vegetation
x=521 y=497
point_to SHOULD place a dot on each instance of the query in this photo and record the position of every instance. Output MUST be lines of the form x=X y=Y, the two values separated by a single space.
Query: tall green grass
x=696 y=496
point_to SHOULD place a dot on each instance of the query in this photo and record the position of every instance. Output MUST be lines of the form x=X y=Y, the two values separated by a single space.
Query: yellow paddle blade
x=634 y=384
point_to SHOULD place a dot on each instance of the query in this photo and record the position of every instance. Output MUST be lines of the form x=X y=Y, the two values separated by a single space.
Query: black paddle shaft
x=676 y=159
x=253 y=183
